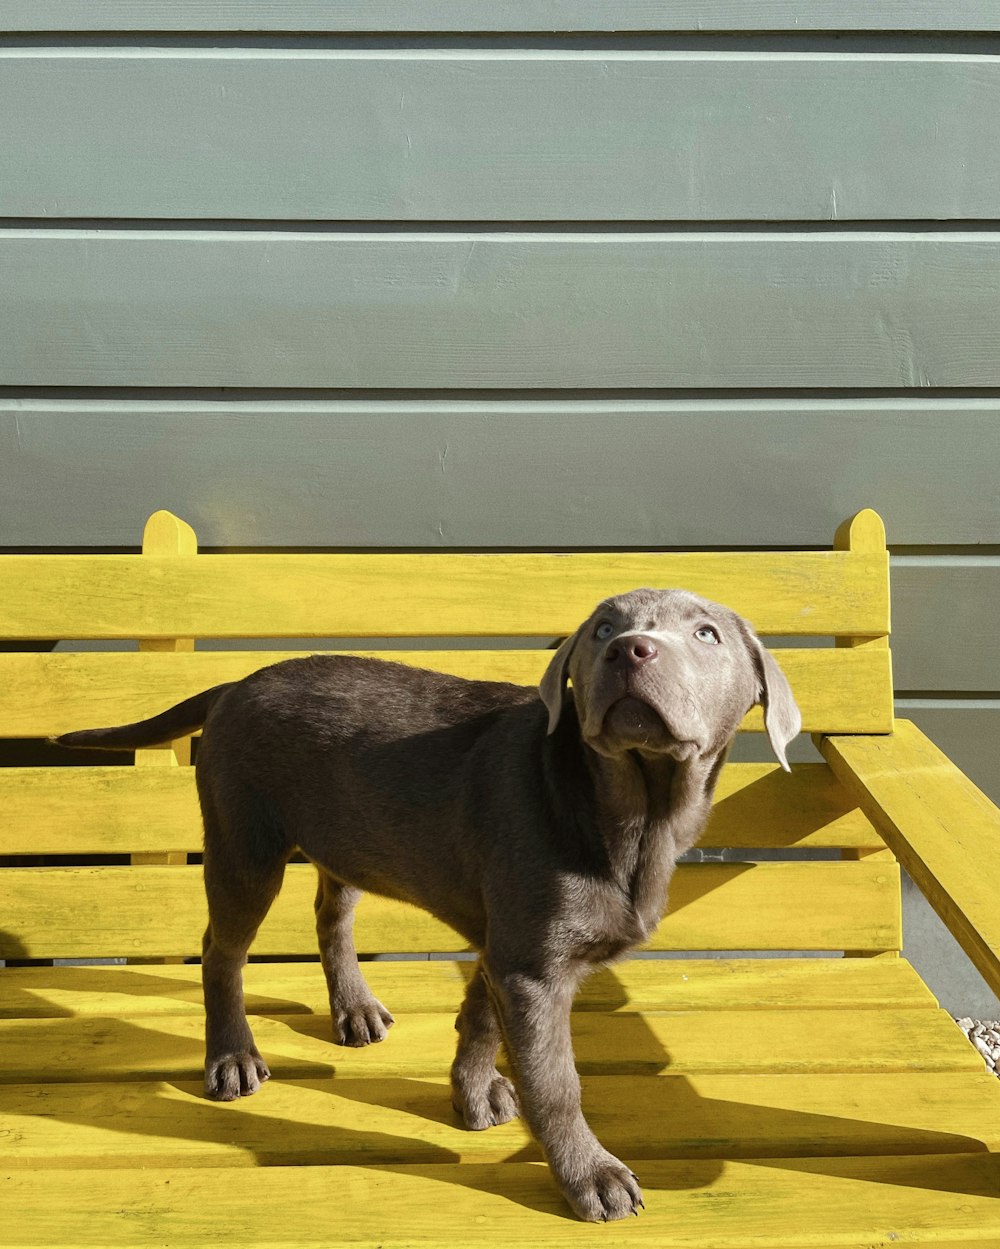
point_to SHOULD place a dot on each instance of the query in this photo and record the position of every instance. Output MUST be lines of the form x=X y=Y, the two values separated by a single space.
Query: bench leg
x=481 y=1095
x=358 y=1017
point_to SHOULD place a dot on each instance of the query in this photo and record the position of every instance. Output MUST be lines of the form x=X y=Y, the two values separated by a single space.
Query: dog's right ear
x=552 y=687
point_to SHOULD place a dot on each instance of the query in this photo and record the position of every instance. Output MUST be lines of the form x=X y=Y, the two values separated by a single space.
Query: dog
x=543 y=829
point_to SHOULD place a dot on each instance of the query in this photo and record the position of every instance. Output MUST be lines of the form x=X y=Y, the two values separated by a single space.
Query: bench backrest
x=146 y=901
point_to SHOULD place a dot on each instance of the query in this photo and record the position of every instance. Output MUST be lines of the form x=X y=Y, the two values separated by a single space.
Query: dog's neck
x=629 y=816
x=651 y=810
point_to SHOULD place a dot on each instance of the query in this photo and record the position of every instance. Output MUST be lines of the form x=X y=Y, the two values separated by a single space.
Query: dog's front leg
x=534 y=1015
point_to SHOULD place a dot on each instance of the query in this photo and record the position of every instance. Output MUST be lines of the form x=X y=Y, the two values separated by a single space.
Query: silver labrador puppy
x=545 y=832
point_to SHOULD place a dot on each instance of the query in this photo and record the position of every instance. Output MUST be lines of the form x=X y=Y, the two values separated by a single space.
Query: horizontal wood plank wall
x=292 y=472
x=947 y=610
x=500 y=16
x=667 y=274
x=650 y=134
x=477 y=308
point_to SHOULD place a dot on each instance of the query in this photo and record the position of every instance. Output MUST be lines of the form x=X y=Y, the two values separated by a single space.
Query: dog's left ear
x=552 y=687
x=782 y=718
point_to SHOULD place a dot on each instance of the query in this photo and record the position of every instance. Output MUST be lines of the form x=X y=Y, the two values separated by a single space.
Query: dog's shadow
x=660 y=1122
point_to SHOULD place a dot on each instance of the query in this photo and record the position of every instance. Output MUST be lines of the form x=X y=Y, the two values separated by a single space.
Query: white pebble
x=985 y=1036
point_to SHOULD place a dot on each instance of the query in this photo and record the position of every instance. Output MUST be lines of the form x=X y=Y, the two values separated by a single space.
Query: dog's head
x=665 y=672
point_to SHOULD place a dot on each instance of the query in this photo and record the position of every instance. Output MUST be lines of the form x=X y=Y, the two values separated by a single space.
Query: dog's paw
x=235 y=1075
x=361 y=1023
x=485 y=1103
x=606 y=1190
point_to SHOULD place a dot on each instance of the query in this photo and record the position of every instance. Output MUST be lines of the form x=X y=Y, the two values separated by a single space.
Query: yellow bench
x=764 y=1101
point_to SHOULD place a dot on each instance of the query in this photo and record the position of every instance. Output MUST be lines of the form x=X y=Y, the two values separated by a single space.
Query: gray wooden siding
x=443 y=471
x=499 y=16
x=478 y=309
x=522 y=134
x=568 y=274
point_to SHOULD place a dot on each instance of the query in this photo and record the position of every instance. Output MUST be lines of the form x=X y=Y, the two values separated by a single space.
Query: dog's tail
x=168 y=725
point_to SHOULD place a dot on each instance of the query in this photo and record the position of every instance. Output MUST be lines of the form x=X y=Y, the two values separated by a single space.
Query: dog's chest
x=604 y=929
x=603 y=949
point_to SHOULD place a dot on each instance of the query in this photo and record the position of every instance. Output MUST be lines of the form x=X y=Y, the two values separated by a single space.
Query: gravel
x=985 y=1036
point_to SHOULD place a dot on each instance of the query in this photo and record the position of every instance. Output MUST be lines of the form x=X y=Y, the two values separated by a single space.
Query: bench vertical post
x=166 y=535
x=865 y=532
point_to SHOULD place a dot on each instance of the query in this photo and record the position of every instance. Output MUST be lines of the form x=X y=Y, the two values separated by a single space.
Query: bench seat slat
x=938 y=1199
x=93 y=912
x=171 y=1047
x=386 y=1119
x=838 y=690
x=439 y=984
x=365 y=595
x=126 y=810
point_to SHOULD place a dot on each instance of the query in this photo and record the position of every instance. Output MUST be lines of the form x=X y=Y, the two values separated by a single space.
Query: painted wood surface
x=670 y=1116
x=501 y=16
x=933 y=1199
x=967 y=730
x=313 y=133
x=595 y=472
x=51 y=694
x=472 y=308
x=159 y=1047
x=116 y=810
x=945 y=610
x=88 y=912
x=944 y=829
x=418 y=985
x=166 y=536
x=460 y=595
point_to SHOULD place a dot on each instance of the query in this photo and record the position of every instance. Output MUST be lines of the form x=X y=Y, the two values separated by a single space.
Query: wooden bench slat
x=171 y=1047
x=127 y=810
x=439 y=984
x=838 y=690
x=947 y=1199
x=93 y=912
x=362 y=595
x=394 y=1120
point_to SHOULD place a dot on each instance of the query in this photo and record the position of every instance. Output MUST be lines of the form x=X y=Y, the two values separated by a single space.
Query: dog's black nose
x=634 y=650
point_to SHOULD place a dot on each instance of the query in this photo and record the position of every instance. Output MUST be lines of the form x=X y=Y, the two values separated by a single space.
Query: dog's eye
x=708 y=635
x=603 y=631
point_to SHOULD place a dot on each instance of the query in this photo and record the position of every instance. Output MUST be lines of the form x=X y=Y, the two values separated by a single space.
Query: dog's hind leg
x=244 y=868
x=481 y=1095
x=358 y=1017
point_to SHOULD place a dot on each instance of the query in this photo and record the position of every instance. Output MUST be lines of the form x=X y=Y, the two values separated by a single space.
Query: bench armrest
x=944 y=831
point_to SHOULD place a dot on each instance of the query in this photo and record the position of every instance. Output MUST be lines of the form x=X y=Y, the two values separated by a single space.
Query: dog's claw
x=609 y=1190
x=361 y=1023
x=235 y=1075
x=485 y=1104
